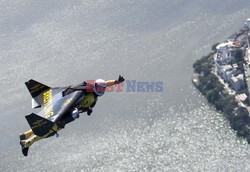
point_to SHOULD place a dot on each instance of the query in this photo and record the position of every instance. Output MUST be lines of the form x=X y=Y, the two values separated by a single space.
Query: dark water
x=63 y=43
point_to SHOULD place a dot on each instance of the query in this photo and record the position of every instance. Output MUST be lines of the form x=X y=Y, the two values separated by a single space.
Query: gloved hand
x=89 y=111
x=120 y=79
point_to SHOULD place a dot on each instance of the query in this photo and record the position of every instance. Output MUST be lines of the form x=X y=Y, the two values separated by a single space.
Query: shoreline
x=223 y=77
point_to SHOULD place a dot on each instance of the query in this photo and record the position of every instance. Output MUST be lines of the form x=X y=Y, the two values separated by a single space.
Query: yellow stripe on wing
x=48 y=104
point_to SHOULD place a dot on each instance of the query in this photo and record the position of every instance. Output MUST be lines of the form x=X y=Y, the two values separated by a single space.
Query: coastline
x=223 y=77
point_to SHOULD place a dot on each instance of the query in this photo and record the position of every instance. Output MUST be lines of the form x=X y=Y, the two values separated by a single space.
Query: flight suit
x=89 y=101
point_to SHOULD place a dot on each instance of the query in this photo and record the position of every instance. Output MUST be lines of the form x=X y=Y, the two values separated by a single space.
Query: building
x=224 y=71
x=247 y=57
x=247 y=23
x=237 y=44
x=224 y=51
x=237 y=82
x=242 y=97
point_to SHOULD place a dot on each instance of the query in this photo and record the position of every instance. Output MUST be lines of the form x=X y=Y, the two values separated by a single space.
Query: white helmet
x=100 y=86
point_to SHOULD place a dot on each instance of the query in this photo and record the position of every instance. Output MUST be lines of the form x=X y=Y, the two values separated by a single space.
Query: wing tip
x=38 y=124
x=36 y=88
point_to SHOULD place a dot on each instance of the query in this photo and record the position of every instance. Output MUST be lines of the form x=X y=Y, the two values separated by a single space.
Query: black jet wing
x=57 y=105
x=40 y=126
x=53 y=101
x=52 y=112
x=36 y=90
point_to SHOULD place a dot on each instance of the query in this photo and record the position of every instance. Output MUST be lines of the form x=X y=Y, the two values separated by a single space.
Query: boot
x=24 y=149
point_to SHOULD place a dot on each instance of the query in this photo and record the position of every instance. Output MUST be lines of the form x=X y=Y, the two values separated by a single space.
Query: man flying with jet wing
x=61 y=106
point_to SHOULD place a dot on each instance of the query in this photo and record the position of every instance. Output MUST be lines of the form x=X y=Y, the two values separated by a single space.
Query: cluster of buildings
x=226 y=67
x=236 y=78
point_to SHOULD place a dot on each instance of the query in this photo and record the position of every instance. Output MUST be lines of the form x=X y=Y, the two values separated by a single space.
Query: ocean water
x=66 y=42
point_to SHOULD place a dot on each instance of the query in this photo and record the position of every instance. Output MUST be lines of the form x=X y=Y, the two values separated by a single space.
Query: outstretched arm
x=113 y=82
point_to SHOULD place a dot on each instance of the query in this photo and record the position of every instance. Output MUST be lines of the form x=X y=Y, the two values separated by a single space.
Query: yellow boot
x=27 y=143
x=25 y=135
x=28 y=138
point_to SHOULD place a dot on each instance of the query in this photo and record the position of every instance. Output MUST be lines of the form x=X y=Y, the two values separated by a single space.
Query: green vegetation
x=215 y=93
x=239 y=55
x=239 y=59
x=204 y=65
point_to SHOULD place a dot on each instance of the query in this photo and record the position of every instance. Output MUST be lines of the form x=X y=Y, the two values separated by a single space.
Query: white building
x=224 y=51
x=224 y=71
x=248 y=23
x=237 y=82
x=247 y=57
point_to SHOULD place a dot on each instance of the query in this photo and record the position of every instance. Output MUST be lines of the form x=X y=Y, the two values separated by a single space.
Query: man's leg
x=30 y=141
x=27 y=143
x=32 y=138
x=25 y=135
